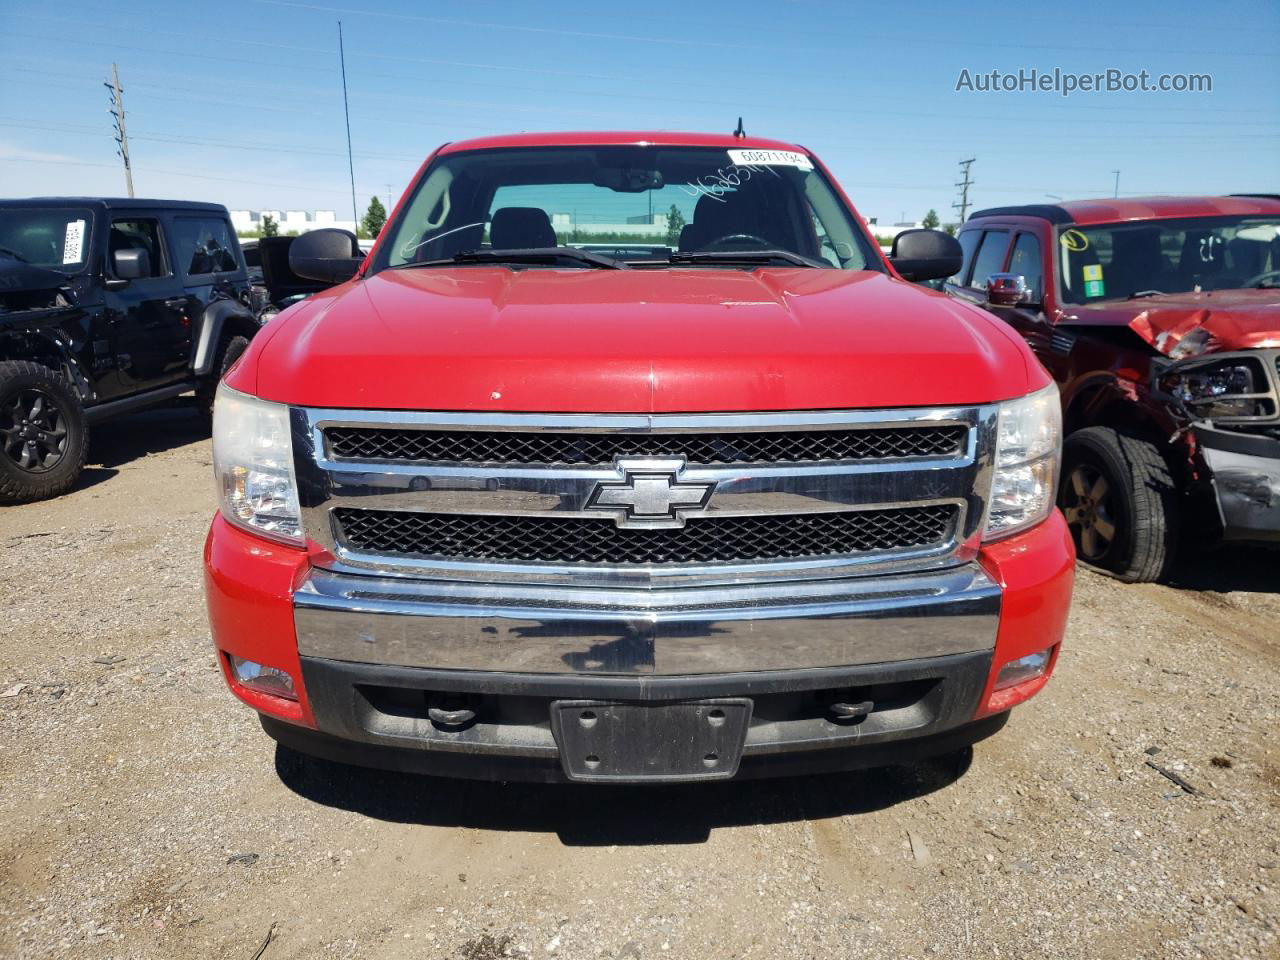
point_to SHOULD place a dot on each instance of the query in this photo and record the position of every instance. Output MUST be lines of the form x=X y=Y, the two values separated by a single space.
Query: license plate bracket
x=650 y=742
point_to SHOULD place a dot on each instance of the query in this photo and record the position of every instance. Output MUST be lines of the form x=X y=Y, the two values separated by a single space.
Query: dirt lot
x=145 y=814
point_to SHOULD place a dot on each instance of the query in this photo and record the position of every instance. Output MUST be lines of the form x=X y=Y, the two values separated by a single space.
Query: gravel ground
x=145 y=814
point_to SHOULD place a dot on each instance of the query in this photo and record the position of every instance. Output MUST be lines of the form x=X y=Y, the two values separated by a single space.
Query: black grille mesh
x=791 y=446
x=701 y=540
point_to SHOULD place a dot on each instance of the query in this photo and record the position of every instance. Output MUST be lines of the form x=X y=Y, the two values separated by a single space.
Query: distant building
x=642 y=226
x=289 y=221
x=891 y=229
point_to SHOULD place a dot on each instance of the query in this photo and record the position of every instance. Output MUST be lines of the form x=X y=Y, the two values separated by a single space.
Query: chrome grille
x=570 y=499
x=565 y=449
x=528 y=539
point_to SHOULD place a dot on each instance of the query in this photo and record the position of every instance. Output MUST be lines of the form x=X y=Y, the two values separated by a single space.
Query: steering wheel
x=1257 y=281
x=736 y=238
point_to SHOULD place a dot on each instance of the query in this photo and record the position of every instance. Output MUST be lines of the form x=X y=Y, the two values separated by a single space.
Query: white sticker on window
x=770 y=158
x=74 y=242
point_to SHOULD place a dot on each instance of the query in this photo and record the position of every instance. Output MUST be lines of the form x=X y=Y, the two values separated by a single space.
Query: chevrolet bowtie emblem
x=650 y=494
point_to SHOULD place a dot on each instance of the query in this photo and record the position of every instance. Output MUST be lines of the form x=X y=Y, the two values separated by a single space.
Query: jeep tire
x=1120 y=502
x=229 y=352
x=43 y=435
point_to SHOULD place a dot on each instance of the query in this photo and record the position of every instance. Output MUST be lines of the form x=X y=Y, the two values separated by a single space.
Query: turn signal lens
x=255 y=676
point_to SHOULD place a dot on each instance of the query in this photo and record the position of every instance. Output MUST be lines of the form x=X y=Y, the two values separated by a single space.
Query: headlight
x=1222 y=390
x=1028 y=451
x=253 y=466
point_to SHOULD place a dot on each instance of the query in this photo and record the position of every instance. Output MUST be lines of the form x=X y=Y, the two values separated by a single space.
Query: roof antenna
x=740 y=133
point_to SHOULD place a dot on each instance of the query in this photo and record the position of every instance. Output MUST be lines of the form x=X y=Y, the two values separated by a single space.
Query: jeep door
x=150 y=330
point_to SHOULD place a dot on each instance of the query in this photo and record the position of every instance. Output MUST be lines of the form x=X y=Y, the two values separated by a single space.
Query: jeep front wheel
x=1120 y=503
x=43 y=437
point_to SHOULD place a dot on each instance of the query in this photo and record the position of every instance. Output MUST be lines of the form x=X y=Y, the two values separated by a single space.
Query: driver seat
x=716 y=217
x=521 y=228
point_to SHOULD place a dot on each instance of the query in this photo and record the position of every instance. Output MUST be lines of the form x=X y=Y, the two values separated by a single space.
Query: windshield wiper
x=529 y=255
x=745 y=256
x=14 y=254
x=1144 y=293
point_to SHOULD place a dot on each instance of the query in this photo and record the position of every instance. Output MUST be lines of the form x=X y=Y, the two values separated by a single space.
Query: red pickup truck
x=1159 y=317
x=629 y=457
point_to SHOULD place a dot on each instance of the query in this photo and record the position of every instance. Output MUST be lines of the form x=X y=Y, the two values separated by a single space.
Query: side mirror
x=926 y=254
x=131 y=264
x=329 y=255
x=1007 y=290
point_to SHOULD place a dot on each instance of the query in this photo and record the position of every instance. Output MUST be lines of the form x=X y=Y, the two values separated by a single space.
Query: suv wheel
x=43 y=436
x=232 y=348
x=1120 y=502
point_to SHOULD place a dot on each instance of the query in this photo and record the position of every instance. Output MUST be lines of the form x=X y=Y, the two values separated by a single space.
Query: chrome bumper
x=453 y=625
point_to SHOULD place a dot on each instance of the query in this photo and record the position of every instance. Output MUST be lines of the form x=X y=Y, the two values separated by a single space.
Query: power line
x=633 y=38
x=177 y=173
x=1213 y=139
x=205 y=141
x=826 y=109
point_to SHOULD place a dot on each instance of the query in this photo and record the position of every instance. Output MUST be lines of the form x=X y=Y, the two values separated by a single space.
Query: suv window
x=204 y=245
x=138 y=235
x=968 y=243
x=1026 y=261
x=1112 y=261
x=990 y=258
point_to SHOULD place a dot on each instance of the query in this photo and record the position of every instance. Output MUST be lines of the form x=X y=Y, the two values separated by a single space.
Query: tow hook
x=851 y=711
x=450 y=718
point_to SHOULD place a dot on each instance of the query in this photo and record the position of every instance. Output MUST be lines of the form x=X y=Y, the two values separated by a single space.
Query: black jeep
x=107 y=306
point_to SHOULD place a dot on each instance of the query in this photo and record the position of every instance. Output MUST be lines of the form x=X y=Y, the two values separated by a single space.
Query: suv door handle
x=176 y=303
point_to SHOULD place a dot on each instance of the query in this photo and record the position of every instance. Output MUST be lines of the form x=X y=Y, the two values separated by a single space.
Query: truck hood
x=1189 y=324
x=634 y=341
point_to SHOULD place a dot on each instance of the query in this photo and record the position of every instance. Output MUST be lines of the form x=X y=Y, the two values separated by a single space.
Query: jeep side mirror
x=926 y=254
x=329 y=255
x=1007 y=290
x=131 y=264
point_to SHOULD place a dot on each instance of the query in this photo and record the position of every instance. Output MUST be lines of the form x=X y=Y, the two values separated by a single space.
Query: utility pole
x=122 y=136
x=351 y=164
x=964 y=185
x=1117 y=191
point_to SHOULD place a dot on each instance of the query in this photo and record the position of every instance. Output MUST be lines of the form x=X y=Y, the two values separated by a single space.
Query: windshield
x=641 y=205
x=56 y=238
x=1115 y=261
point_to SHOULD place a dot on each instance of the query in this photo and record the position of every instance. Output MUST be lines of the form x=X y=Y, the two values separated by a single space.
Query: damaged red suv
x=1160 y=319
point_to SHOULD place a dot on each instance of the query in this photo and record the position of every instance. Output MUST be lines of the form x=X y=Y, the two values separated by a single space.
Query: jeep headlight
x=1028 y=452
x=253 y=466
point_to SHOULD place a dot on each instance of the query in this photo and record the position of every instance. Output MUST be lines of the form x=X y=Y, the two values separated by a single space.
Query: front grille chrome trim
x=327 y=483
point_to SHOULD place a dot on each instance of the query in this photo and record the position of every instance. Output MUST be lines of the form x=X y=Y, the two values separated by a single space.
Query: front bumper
x=1245 y=471
x=371 y=656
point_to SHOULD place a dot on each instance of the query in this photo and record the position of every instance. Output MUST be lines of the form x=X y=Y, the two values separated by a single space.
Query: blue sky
x=240 y=102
